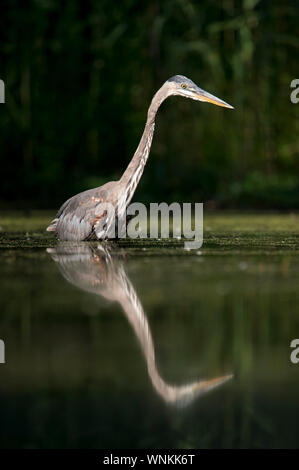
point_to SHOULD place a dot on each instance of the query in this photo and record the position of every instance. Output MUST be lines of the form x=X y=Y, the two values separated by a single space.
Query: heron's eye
x=183 y=85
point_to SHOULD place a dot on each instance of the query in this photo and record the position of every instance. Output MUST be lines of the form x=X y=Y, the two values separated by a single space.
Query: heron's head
x=183 y=86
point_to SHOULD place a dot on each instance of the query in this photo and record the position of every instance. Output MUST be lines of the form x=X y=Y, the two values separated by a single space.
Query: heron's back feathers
x=52 y=226
x=78 y=216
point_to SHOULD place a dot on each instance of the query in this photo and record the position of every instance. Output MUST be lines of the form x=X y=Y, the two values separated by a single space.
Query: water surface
x=145 y=345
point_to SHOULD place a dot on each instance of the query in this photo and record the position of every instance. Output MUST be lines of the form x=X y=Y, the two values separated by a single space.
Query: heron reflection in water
x=95 y=270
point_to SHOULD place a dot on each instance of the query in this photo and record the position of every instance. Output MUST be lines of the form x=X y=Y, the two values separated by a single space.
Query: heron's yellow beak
x=203 y=95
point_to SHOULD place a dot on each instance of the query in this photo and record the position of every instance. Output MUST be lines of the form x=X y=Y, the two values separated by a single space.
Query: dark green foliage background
x=80 y=75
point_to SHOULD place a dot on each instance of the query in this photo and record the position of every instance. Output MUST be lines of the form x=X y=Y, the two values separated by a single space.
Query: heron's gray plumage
x=77 y=218
x=82 y=216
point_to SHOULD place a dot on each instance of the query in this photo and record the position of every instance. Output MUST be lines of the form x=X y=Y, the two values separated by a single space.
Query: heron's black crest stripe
x=182 y=79
x=178 y=78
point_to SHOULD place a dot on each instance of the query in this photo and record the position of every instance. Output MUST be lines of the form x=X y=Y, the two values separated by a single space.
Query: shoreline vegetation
x=79 y=82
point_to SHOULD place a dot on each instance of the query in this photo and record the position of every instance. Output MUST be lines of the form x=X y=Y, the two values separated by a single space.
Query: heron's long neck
x=133 y=173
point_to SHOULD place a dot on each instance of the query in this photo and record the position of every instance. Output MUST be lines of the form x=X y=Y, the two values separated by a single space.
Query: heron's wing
x=79 y=215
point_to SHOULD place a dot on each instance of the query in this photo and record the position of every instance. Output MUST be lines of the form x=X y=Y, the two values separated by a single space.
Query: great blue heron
x=83 y=217
x=96 y=270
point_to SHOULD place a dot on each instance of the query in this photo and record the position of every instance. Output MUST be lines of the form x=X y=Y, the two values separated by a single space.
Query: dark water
x=122 y=349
